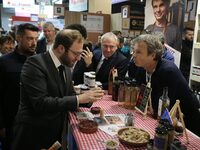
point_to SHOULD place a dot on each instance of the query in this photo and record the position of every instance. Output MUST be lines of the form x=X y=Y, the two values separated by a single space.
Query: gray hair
x=109 y=35
x=160 y=35
x=153 y=42
x=48 y=24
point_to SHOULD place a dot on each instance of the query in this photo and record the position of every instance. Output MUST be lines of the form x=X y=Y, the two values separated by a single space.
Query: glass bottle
x=164 y=102
x=115 y=89
x=110 y=82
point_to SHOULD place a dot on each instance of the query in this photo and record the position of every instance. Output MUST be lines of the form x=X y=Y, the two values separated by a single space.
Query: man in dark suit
x=108 y=57
x=10 y=69
x=47 y=93
x=46 y=42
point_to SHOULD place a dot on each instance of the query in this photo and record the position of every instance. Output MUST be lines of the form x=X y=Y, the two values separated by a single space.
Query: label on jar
x=160 y=143
x=91 y=81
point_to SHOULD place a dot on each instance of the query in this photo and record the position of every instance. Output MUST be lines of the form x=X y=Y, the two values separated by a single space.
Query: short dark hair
x=26 y=26
x=187 y=29
x=166 y=2
x=6 y=38
x=78 y=27
x=66 y=37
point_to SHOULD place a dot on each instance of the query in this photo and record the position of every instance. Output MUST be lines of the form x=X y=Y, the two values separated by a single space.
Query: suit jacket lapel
x=54 y=72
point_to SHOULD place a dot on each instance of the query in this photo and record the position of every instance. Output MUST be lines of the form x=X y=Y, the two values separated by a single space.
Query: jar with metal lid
x=91 y=81
x=161 y=138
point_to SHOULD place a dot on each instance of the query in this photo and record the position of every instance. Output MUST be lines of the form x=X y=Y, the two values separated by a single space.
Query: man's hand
x=91 y=95
x=87 y=56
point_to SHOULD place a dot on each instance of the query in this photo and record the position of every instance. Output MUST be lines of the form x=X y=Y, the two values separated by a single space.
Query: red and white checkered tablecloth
x=88 y=141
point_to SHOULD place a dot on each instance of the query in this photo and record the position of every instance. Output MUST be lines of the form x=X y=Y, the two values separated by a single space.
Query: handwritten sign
x=143 y=98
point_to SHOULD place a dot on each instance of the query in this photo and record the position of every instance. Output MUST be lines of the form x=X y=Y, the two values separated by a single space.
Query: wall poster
x=167 y=20
x=92 y=23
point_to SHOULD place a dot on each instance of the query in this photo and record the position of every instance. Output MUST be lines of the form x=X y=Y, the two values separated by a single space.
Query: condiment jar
x=129 y=119
x=91 y=81
x=161 y=138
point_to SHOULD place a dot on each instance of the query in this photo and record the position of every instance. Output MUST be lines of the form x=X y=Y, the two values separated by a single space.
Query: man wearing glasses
x=47 y=94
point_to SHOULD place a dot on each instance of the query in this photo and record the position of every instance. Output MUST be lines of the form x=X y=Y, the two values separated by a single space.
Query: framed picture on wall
x=125 y=10
x=125 y=23
x=59 y=10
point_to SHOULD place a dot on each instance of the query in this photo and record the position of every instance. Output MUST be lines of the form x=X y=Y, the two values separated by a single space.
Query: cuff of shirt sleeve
x=77 y=101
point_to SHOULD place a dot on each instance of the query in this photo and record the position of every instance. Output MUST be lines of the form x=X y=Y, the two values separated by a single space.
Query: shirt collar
x=55 y=59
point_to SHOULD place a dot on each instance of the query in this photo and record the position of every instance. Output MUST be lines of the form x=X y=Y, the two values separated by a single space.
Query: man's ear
x=61 y=49
x=153 y=56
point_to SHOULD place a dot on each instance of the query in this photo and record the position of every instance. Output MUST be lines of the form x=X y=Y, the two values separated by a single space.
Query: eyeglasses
x=77 y=54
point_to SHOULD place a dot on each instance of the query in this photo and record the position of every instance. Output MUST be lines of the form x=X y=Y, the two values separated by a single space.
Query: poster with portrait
x=166 y=16
x=59 y=10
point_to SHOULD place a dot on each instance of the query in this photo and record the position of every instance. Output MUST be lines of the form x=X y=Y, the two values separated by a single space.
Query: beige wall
x=116 y=22
x=100 y=5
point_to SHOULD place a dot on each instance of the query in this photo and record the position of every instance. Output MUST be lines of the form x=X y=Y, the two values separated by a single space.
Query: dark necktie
x=104 y=65
x=102 y=69
x=62 y=78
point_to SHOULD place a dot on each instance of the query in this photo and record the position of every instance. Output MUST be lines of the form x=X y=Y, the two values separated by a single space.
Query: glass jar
x=127 y=95
x=121 y=93
x=129 y=120
x=161 y=138
x=134 y=93
x=91 y=81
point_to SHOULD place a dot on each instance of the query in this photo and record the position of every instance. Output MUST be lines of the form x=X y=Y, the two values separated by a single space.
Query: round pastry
x=88 y=126
x=95 y=110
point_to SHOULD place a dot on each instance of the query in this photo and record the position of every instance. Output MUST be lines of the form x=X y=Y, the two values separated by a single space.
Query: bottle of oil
x=112 y=75
x=164 y=102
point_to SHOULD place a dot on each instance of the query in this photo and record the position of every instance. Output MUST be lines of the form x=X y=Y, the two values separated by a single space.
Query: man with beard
x=186 y=52
x=10 y=70
x=171 y=31
x=45 y=100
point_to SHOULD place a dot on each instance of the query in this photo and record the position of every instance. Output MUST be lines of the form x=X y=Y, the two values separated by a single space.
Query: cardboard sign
x=143 y=98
